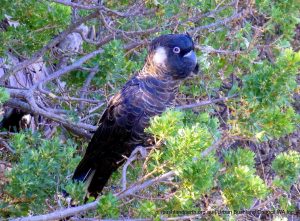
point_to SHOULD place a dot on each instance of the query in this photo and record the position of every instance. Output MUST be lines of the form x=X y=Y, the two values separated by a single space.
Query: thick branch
x=67 y=69
x=79 y=127
x=60 y=214
x=51 y=44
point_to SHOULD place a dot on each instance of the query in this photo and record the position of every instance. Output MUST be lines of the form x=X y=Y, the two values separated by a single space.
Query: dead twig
x=204 y=103
x=224 y=21
x=132 y=158
x=211 y=50
x=67 y=69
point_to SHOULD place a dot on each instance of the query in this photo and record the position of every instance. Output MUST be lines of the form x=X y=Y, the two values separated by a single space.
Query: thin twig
x=196 y=216
x=208 y=49
x=133 y=157
x=129 y=13
x=86 y=85
x=224 y=21
x=204 y=103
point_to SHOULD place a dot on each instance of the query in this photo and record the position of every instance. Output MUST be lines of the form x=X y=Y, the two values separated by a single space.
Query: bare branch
x=210 y=13
x=136 y=188
x=67 y=69
x=224 y=21
x=86 y=85
x=208 y=49
x=97 y=219
x=204 y=103
x=51 y=44
x=3 y=142
x=100 y=8
x=133 y=157
x=65 y=98
x=33 y=108
x=60 y=214
x=191 y=217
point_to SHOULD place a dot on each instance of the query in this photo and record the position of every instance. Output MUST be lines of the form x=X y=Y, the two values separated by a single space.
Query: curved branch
x=67 y=69
x=80 y=128
x=60 y=214
x=51 y=44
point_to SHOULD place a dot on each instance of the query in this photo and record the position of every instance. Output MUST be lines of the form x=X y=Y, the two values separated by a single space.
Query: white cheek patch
x=160 y=56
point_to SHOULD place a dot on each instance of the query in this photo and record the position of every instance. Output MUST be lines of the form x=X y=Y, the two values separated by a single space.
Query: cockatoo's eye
x=176 y=50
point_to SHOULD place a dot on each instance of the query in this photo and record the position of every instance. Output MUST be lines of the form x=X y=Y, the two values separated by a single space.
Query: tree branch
x=67 y=69
x=224 y=21
x=61 y=214
x=100 y=8
x=51 y=44
x=79 y=127
x=204 y=103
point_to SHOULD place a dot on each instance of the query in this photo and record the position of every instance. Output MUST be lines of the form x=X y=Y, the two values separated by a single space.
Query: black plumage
x=12 y=120
x=171 y=58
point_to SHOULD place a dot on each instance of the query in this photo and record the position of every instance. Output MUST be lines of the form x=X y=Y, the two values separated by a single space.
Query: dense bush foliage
x=41 y=171
x=214 y=150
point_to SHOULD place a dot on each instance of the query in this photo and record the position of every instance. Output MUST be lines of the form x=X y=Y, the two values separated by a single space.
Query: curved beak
x=191 y=55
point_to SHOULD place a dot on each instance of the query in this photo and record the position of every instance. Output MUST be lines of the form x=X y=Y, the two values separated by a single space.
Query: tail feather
x=96 y=172
x=83 y=170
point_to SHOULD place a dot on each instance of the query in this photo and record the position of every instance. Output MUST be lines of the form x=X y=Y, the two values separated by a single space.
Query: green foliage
x=184 y=143
x=239 y=157
x=115 y=66
x=240 y=186
x=262 y=110
x=108 y=206
x=266 y=98
x=38 y=22
x=272 y=84
x=4 y=95
x=166 y=125
x=41 y=170
x=147 y=209
x=287 y=167
x=284 y=15
x=76 y=190
x=286 y=204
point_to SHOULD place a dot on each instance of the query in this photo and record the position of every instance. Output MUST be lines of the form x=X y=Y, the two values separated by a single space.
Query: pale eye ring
x=176 y=50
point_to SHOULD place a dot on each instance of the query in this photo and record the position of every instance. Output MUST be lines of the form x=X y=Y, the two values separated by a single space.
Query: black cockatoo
x=171 y=59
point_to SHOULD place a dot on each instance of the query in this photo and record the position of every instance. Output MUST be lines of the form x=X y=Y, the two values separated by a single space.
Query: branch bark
x=61 y=214
x=204 y=103
x=51 y=44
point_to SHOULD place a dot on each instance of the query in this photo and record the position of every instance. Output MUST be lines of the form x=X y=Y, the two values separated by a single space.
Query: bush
x=42 y=169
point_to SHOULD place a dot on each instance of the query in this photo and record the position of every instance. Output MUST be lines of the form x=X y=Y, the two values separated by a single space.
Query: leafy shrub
x=184 y=143
x=267 y=94
x=4 y=95
x=38 y=23
x=240 y=186
x=108 y=206
x=287 y=167
x=43 y=168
